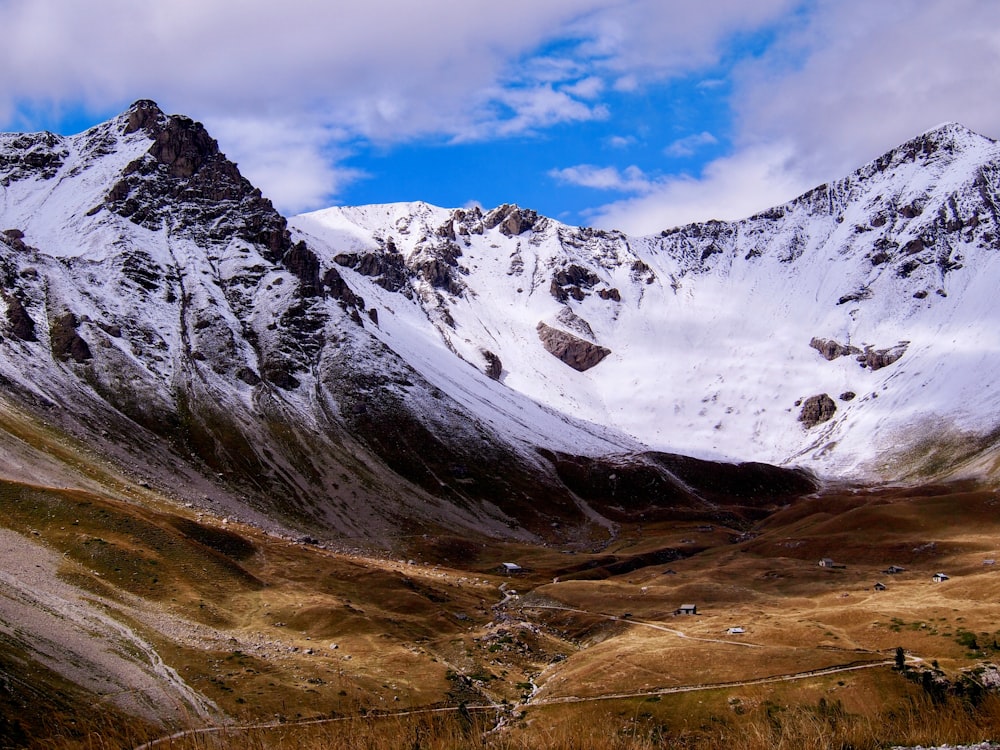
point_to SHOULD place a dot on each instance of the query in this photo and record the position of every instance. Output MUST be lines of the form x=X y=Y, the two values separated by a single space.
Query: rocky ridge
x=159 y=308
x=719 y=317
x=342 y=365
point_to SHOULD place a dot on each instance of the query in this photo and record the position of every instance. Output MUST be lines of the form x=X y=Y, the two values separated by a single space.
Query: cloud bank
x=813 y=88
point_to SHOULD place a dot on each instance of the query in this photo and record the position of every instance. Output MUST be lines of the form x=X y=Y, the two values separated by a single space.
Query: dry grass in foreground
x=917 y=720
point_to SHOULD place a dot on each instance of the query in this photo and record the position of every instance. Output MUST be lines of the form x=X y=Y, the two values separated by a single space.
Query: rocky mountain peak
x=163 y=287
x=954 y=133
x=186 y=183
x=145 y=115
x=512 y=219
x=938 y=148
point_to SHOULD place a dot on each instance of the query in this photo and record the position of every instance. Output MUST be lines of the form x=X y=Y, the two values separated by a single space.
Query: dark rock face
x=873 y=359
x=816 y=410
x=185 y=181
x=145 y=115
x=66 y=342
x=876 y=359
x=751 y=483
x=304 y=265
x=831 y=349
x=21 y=324
x=657 y=485
x=30 y=155
x=138 y=267
x=571 y=281
x=578 y=353
x=388 y=269
x=512 y=220
x=248 y=376
x=494 y=367
x=439 y=274
x=848 y=396
x=339 y=290
x=629 y=485
x=640 y=271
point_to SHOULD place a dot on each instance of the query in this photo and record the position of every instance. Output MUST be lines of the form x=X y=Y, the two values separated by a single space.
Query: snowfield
x=711 y=325
x=179 y=278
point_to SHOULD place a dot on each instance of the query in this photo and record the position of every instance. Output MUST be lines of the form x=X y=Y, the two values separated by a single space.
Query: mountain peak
x=952 y=132
x=949 y=138
x=146 y=115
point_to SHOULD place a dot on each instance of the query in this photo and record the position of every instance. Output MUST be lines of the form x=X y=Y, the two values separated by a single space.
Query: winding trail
x=791 y=677
x=645 y=624
x=850 y=667
x=503 y=712
x=240 y=728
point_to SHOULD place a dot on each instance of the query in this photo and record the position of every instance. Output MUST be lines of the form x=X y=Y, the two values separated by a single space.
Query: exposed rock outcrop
x=388 y=269
x=66 y=342
x=184 y=180
x=304 y=265
x=830 y=349
x=578 y=353
x=816 y=410
x=511 y=219
x=494 y=367
x=875 y=359
x=31 y=154
x=569 y=319
x=21 y=324
x=571 y=281
x=339 y=290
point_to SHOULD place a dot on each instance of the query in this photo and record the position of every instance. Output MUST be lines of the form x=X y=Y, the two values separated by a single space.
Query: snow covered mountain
x=851 y=330
x=362 y=370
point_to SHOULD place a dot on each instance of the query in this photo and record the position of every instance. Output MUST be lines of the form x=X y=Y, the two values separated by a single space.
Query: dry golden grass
x=243 y=610
x=751 y=724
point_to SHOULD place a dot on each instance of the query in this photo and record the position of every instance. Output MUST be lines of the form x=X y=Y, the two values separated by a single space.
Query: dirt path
x=645 y=624
x=851 y=667
x=791 y=677
x=508 y=597
x=240 y=729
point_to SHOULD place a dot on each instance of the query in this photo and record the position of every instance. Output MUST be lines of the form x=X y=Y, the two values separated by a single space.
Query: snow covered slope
x=159 y=311
x=379 y=370
x=710 y=326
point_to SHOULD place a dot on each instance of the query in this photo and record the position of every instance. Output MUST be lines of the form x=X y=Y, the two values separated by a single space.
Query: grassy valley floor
x=270 y=642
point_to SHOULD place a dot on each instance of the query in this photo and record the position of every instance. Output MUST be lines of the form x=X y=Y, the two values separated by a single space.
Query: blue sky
x=632 y=114
x=673 y=127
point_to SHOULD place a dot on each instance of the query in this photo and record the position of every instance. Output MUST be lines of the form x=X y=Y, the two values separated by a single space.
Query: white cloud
x=382 y=70
x=630 y=180
x=531 y=109
x=642 y=40
x=728 y=188
x=689 y=145
x=845 y=81
x=586 y=88
x=842 y=81
x=621 y=141
x=386 y=69
x=856 y=78
x=294 y=162
x=626 y=84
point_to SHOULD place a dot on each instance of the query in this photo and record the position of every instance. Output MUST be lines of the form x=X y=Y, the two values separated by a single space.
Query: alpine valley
x=255 y=466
